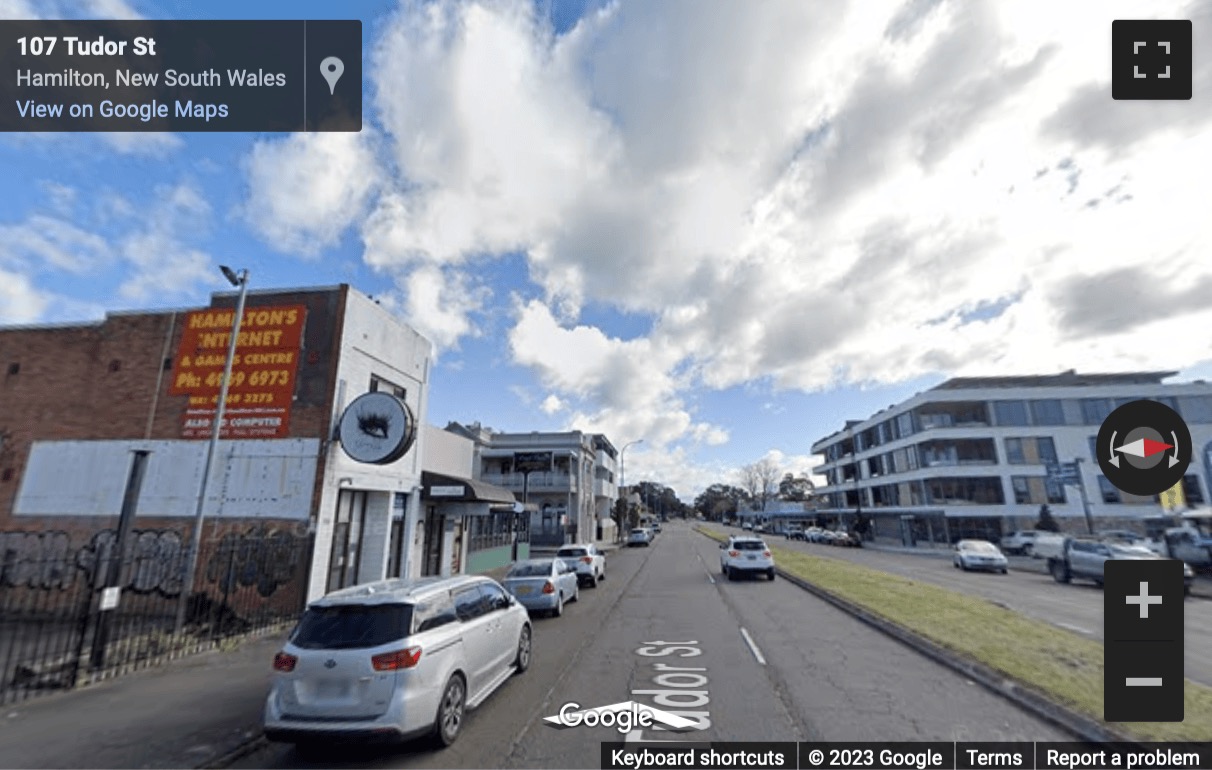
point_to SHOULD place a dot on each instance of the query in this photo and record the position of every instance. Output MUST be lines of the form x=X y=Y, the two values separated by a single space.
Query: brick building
x=77 y=400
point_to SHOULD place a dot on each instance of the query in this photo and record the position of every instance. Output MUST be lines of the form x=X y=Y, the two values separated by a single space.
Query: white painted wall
x=374 y=342
x=262 y=478
x=448 y=454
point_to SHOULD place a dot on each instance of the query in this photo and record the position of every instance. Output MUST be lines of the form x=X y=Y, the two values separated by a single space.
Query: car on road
x=747 y=526
x=847 y=540
x=1087 y=557
x=979 y=555
x=590 y=563
x=543 y=585
x=656 y=526
x=639 y=537
x=746 y=556
x=396 y=659
x=794 y=532
x=1121 y=536
x=1021 y=542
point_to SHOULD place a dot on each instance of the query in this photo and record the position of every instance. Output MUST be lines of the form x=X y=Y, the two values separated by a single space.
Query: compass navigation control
x=1144 y=448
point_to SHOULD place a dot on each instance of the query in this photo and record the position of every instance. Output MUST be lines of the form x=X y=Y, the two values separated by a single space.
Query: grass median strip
x=1064 y=666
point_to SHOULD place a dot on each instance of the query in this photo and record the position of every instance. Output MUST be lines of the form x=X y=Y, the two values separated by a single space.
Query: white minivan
x=396 y=659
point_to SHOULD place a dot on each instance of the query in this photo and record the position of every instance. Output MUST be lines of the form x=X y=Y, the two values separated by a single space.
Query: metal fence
x=60 y=627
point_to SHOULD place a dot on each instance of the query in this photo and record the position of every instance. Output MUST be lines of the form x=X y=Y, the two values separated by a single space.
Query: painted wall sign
x=452 y=491
x=263 y=370
x=377 y=428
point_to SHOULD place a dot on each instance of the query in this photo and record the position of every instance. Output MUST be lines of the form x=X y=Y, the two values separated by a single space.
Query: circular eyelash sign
x=377 y=428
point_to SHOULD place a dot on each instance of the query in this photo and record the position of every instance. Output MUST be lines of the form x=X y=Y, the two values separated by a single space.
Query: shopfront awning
x=439 y=487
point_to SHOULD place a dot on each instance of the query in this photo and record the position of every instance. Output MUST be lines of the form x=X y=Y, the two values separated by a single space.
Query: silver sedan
x=979 y=555
x=543 y=585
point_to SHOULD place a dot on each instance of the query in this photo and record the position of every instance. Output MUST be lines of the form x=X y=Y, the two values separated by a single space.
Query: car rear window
x=749 y=545
x=571 y=552
x=352 y=626
x=531 y=569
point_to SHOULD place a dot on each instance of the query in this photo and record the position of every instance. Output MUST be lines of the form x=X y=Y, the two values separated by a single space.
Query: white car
x=396 y=659
x=590 y=563
x=746 y=555
x=1021 y=542
x=639 y=537
x=979 y=555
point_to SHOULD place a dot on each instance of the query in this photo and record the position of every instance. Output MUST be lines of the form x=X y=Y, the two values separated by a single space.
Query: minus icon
x=1143 y=681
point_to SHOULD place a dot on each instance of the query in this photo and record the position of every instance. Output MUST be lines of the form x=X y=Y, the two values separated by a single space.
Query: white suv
x=741 y=555
x=396 y=659
x=590 y=563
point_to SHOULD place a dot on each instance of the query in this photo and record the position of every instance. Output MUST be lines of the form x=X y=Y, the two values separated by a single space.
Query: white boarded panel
x=249 y=479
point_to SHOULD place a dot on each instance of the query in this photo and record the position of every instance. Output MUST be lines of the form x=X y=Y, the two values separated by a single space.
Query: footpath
x=187 y=713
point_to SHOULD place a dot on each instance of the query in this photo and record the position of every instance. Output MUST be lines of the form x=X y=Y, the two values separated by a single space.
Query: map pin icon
x=331 y=68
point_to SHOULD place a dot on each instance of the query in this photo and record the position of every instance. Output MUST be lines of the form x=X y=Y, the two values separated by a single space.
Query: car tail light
x=548 y=587
x=285 y=662
x=587 y=559
x=392 y=661
x=766 y=554
x=734 y=554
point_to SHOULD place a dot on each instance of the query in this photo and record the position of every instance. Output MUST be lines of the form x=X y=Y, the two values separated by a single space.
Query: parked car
x=979 y=555
x=590 y=563
x=1087 y=557
x=813 y=534
x=396 y=659
x=826 y=536
x=639 y=537
x=656 y=526
x=1122 y=536
x=543 y=585
x=1020 y=542
x=746 y=555
x=747 y=526
x=848 y=540
x=794 y=532
x=1048 y=545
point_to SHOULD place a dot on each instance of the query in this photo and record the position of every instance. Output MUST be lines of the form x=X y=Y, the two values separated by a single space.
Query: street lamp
x=623 y=480
x=240 y=280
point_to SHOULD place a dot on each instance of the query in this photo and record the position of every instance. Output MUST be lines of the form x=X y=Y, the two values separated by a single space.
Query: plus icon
x=1150 y=59
x=1144 y=600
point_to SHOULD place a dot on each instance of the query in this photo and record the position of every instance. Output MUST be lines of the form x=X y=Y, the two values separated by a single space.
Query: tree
x=619 y=514
x=720 y=500
x=1046 y=521
x=795 y=489
x=760 y=480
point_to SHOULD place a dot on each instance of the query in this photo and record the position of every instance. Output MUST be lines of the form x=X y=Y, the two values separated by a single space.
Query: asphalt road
x=748 y=661
x=1077 y=606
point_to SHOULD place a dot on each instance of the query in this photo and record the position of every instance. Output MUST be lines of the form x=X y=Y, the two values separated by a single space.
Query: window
x=378 y=384
x=493 y=597
x=1036 y=489
x=1094 y=448
x=1195 y=409
x=1031 y=451
x=352 y=626
x=1010 y=412
x=434 y=613
x=1047 y=412
x=904 y=424
x=1108 y=491
x=1014 y=451
x=1191 y=489
x=966 y=491
x=1095 y=410
x=469 y=603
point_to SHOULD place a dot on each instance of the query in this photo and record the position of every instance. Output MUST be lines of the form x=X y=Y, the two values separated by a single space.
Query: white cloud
x=20 y=300
x=306 y=190
x=552 y=404
x=162 y=261
x=811 y=194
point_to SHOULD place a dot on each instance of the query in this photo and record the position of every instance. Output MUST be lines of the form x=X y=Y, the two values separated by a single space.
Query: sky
x=724 y=228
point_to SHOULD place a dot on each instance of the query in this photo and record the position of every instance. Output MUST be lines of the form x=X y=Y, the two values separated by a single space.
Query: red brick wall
x=100 y=382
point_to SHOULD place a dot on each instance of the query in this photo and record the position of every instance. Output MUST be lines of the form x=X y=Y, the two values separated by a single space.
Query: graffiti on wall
x=153 y=560
x=265 y=558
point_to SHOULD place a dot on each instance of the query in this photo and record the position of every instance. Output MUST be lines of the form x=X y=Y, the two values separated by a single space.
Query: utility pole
x=191 y=563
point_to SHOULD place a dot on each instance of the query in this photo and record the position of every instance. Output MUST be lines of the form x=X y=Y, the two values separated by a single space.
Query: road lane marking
x=753 y=647
x=706 y=569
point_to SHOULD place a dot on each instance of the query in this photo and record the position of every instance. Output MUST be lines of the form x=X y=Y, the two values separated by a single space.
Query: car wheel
x=522 y=661
x=593 y=581
x=1026 y=550
x=451 y=710
x=1060 y=573
x=576 y=593
x=728 y=573
x=559 y=608
x=1005 y=571
x=770 y=574
x=955 y=564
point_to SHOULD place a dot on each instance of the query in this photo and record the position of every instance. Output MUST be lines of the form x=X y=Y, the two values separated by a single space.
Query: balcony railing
x=539 y=481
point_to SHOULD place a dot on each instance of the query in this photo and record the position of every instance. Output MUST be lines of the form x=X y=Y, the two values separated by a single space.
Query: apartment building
x=970 y=457
x=566 y=479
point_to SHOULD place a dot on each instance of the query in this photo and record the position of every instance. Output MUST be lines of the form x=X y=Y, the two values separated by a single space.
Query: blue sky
x=724 y=228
